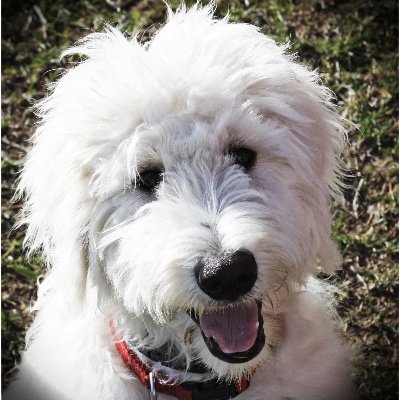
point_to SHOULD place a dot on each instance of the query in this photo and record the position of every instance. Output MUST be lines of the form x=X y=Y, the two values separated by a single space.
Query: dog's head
x=193 y=173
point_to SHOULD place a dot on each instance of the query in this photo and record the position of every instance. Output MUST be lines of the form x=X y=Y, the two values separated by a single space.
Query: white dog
x=180 y=192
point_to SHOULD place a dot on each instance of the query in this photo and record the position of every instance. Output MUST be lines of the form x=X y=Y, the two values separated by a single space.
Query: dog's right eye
x=150 y=179
x=243 y=156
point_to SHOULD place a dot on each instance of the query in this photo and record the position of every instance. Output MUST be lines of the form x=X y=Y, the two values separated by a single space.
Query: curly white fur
x=179 y=101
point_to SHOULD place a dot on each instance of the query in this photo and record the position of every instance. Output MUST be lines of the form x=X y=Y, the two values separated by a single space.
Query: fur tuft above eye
x=149 y=179
x=243 y=156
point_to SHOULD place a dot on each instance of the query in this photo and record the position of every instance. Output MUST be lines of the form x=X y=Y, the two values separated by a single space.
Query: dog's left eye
x=150 y=179
x=243 y=156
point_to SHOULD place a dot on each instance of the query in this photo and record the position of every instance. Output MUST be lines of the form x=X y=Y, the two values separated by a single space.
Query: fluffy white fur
x=179 y=101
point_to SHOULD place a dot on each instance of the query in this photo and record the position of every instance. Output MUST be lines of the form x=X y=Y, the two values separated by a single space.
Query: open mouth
x=234 y=334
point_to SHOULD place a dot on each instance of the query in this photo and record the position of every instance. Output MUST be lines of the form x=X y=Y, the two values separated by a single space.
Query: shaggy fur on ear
x=177 y=104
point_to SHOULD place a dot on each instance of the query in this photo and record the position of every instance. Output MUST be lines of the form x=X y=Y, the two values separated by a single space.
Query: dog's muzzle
x=232 y=333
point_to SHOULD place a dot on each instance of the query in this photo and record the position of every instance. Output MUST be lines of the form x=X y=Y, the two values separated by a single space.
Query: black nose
x=229 y=277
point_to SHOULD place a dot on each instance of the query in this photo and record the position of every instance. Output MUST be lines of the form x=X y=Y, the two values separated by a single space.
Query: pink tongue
x=233 y=328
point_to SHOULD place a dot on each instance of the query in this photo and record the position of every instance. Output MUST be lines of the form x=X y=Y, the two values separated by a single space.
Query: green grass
x=354 y=44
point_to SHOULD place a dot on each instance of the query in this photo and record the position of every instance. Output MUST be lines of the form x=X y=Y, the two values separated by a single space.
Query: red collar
x=208 y=390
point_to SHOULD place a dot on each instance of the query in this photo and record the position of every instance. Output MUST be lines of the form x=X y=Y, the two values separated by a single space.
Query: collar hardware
x=153 y=391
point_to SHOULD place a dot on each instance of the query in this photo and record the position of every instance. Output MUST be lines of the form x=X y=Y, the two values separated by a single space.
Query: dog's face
x=202 y=187
x=204 y=231
x=201 y=235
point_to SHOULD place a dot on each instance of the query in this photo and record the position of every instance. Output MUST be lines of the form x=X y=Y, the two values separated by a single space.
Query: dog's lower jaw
x=242 y=326
x=229 y=368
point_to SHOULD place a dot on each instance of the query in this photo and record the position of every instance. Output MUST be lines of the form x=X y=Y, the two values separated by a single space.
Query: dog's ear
x=327 y=133
x=315 y=140
x=56 y=204
x=81 y=122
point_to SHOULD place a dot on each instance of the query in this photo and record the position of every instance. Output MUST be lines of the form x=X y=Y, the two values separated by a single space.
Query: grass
x=354 y=44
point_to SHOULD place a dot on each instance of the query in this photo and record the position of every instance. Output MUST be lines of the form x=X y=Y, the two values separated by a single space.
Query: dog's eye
x=243 y=156
x=149 y=179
